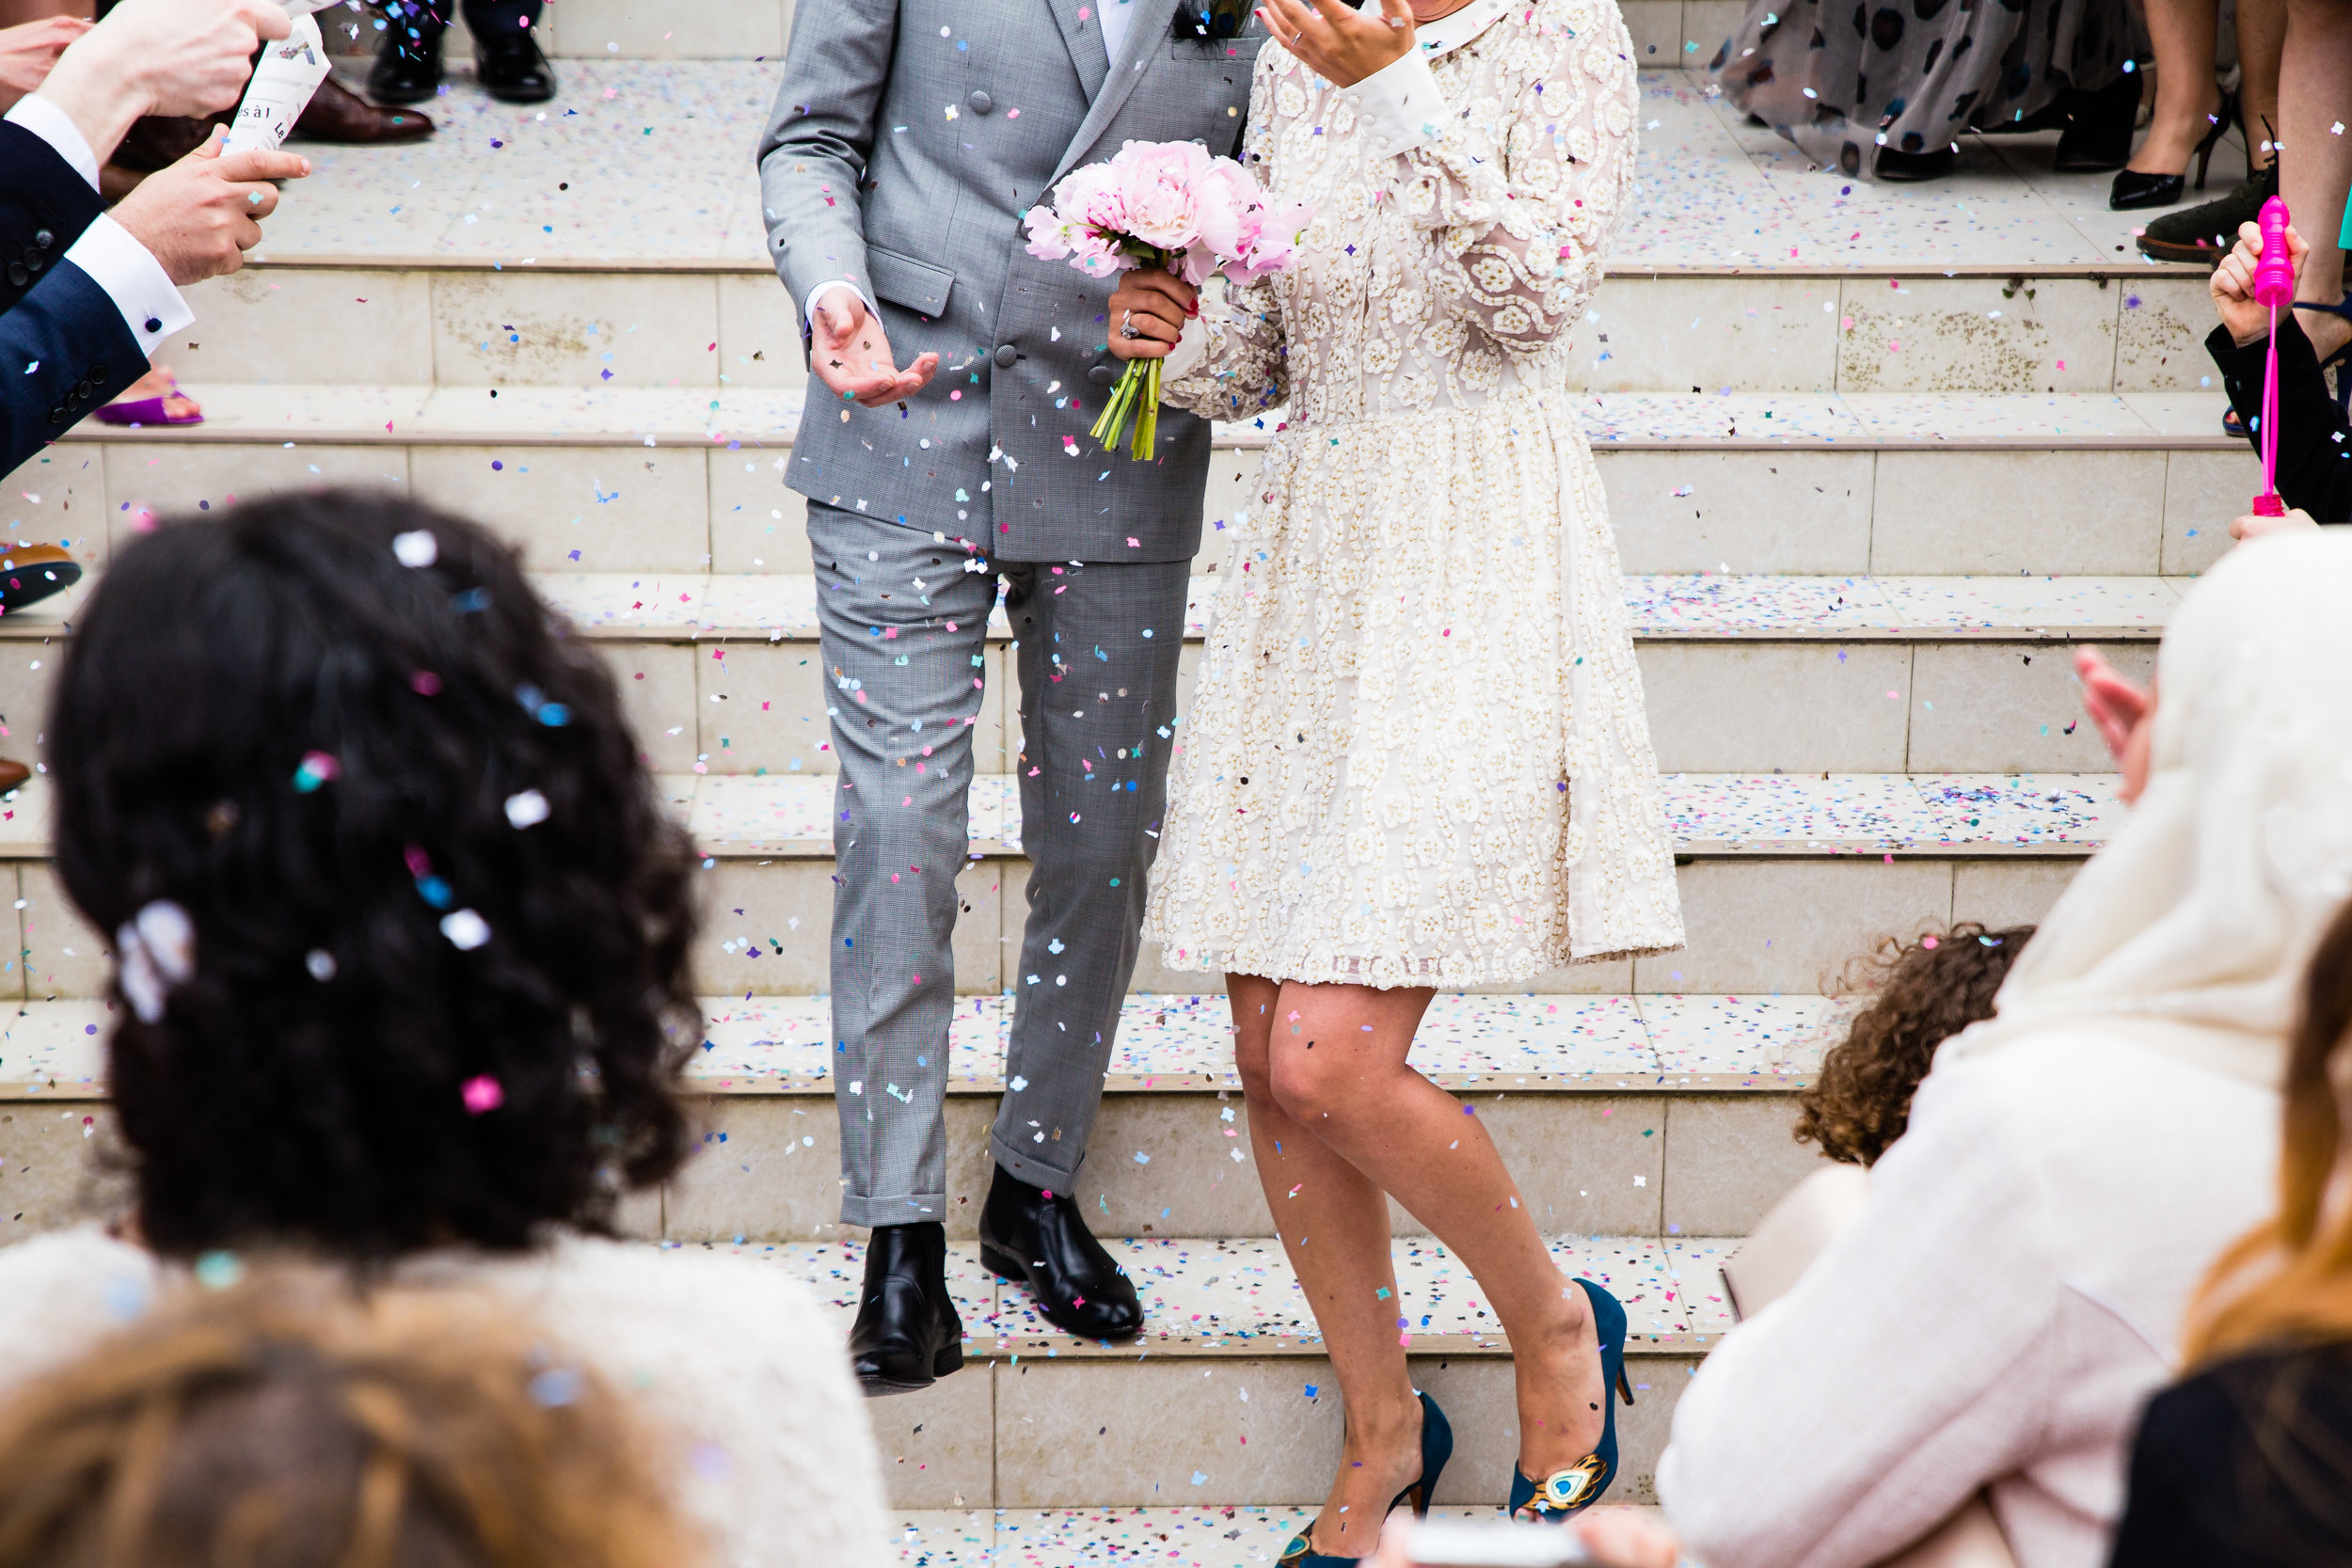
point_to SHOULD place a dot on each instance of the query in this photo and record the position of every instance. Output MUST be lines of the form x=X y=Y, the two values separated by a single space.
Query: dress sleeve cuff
x=134 y=280
x=52 y=125
x=1400 y=106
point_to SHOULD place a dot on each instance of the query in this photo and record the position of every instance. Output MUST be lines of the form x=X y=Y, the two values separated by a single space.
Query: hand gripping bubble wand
x=2274 y=286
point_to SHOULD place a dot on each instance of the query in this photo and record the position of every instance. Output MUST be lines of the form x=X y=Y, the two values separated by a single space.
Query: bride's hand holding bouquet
x=1170 y=215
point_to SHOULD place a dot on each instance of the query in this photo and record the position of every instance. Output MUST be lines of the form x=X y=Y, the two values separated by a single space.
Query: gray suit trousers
x=903 y=624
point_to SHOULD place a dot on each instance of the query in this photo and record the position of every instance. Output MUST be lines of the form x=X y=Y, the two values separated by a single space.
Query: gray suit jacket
x=909 y=138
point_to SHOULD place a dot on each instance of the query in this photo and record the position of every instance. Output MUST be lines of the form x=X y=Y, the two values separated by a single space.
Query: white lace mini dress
x=1416 y=753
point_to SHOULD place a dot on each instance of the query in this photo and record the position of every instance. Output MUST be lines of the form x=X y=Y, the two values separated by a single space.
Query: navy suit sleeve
x=2314 y=438
x=64 y=352
x=44 y=206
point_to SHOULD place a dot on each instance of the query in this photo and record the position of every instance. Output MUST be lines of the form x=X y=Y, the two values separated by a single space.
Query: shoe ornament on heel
x=1437 y=1446
x=1565 y=1494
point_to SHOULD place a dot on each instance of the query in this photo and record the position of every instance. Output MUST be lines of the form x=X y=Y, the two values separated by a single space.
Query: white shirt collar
x=1449 y=33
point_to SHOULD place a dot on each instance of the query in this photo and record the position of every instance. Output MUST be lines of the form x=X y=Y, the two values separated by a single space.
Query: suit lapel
x=1146 y=35
x=1083 y=37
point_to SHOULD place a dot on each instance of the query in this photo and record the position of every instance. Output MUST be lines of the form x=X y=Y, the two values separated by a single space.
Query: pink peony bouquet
x=1169 y=205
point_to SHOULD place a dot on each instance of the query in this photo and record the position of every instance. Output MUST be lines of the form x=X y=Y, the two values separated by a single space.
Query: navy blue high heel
x=1437 y=1446
x=1567 y=1492
x=2340 y=361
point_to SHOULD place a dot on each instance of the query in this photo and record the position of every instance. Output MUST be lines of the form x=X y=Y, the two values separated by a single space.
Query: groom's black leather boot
x=1041 y=1239
x=907 y=1334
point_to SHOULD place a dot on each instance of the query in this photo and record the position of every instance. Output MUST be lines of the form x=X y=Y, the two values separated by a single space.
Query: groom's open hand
x=850 y=353
x=1157 y=304
x=1337 y=42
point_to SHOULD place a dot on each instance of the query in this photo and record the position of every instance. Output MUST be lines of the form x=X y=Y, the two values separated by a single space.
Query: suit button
x=97 y=371
x=1101 y=376
x=980 y=102
x=57 y=415
x=18 y=275
x=1006 y=355
x=44 y=238
x=35 y=261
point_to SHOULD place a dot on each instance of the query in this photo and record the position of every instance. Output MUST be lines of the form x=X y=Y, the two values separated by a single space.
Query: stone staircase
x=1876 y=458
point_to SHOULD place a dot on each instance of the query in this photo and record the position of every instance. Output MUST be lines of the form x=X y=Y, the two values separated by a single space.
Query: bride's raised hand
x=1337 y=42
x=1147 y=312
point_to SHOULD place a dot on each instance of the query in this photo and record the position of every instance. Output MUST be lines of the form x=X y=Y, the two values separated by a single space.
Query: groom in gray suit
x=908 y=140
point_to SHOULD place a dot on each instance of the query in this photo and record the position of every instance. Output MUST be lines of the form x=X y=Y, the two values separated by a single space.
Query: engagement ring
x=1127 y=325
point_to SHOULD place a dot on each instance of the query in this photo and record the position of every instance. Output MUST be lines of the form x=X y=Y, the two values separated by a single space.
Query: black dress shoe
x=512 y=70
x=907 y=1334
x=407 y=71
x=1042 y=1242
x=1901 y=167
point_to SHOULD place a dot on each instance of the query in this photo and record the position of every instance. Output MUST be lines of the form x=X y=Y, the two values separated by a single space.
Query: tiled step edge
x=1172 y=1044
x=789 y=815
x=1238 y=1297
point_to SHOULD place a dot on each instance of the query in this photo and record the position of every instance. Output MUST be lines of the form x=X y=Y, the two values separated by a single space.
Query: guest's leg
x=1337 y=1071
x=1097 y=649
x=2262 y=34
x=903 y=734
x=2181 y=32
x=2315 y=164
x=1333 y=1222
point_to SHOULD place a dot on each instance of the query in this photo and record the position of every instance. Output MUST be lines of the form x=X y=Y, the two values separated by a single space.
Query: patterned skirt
x=1918 y=72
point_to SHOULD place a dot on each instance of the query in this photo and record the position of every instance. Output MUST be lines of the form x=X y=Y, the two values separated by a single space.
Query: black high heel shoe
x=2133 y=190
x=1437 y=1446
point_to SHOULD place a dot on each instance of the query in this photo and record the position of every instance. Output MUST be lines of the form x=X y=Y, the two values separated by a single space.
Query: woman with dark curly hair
x=401 y=936
x=1921 y=994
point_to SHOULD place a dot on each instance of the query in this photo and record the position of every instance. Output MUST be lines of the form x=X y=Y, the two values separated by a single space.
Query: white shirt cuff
x=134 y=280
x=808 y=311
x=1400 y=106
x=55 y=127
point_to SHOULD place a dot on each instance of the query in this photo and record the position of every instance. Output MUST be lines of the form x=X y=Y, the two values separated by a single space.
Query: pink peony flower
x=1161 y=188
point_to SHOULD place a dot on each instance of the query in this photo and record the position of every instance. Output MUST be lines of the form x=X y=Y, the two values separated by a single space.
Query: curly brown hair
x=295 y=1421
x=1922 y=994
x=328 y=728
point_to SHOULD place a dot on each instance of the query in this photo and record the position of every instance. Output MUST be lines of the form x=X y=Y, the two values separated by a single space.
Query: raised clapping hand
x=849 y=352
x=2233 y=283
x=2122 y=713
x=1337 y=42
x=1157 y=304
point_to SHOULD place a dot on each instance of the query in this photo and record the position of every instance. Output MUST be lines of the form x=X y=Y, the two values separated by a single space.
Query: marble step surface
x=1646 y=1115
x=692 y=478
x=519 y=246
x=1242 y=1409
x=1174 y=1044
x=1180 y=1537
x=1741 y=673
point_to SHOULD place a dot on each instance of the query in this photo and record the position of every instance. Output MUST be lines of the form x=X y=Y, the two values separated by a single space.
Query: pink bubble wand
x=2274 y=287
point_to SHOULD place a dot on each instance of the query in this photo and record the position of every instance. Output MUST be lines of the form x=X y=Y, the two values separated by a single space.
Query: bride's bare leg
x=1334 y=1225
x=1337 y=1070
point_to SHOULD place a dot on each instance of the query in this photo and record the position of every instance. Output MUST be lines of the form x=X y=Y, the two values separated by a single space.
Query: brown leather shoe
x=337 y=114
x=13 y=774
x=31 y=573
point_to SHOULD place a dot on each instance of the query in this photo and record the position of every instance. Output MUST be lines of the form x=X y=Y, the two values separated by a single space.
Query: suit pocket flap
x=903 y=280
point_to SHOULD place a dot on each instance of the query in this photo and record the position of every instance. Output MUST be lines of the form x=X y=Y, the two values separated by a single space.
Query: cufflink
x=154 y=323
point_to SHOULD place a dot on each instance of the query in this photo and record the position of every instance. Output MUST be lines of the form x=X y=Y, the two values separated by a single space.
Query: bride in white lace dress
x=1417 y=754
